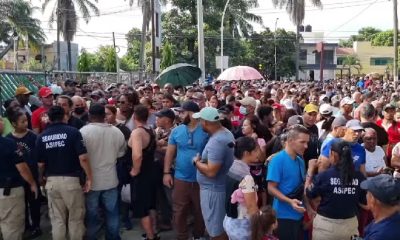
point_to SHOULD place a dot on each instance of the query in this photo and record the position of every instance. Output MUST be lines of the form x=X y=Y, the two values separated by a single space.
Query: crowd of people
x=257 y=160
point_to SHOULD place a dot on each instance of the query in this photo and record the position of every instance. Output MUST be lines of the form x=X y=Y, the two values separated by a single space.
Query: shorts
x=213 y=210
x=237 y=229
x=143 y=195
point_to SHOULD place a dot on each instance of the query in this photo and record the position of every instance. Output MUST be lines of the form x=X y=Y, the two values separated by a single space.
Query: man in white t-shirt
x=375 y=156
x=105 y=143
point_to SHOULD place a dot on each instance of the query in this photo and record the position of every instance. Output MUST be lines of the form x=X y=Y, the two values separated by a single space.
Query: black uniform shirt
x=337 y=201
x=59 y=148
x=9 y=157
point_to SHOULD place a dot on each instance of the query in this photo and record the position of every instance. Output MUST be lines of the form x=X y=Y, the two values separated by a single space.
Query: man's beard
x=186 y=120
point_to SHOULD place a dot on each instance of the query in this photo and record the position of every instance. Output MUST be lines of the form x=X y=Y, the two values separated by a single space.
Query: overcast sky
x=337 y=18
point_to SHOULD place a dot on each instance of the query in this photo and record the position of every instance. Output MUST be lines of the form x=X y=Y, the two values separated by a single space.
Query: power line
x=354 y=17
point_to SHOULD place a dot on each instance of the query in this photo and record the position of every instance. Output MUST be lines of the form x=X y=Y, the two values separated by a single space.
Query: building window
x=303 y=54
x=328 y=57
x=339 y=60
x=381 y=61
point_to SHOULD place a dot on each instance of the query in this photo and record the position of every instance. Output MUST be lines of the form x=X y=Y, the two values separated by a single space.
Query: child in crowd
x=263 y=224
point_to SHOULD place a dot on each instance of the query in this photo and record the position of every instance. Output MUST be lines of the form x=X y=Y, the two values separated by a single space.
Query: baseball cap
x=346 y=101
x=288 y=103
x=208 y=113
x=293 y=120
x=45 y=92
x=383 y=187
x=339 y=121
x=248 y=101
x=309 y=108
x=323 y=98
x=354 y=124
x=189 y=106
x=325 y=109
x=22 y=90
x=388 y=106
x=166 y=113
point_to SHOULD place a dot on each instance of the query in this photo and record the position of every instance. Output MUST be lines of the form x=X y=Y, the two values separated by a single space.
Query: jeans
x=108 y=200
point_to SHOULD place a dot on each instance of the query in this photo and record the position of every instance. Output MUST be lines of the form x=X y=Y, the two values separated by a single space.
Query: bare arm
x=84 y=161
x=137 y=146
x=25 y=172
x=169 y=157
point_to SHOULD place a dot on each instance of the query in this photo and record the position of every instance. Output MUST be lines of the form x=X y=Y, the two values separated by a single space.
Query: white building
x=310 y=58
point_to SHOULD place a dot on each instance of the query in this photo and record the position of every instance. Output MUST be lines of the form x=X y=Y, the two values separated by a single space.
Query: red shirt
x=40 y=119
x=393 y=135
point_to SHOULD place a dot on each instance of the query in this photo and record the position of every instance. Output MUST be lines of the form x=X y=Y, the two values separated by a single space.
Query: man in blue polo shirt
x=185 y=141
x=353 y=134
x=286 y=174
x=61 y=152
x=383 y=199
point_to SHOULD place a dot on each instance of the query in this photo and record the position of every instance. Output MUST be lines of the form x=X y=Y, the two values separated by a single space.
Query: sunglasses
x=121 y=102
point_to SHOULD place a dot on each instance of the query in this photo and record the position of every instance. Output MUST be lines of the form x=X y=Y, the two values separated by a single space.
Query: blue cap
x=208 y=113
x=189 y=106
x=383 y=187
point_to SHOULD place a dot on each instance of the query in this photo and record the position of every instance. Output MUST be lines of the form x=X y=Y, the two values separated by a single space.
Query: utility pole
x=16 y=38
x=58 y=36
x=395 y=43
x=297 y=51
x=222 y=35
x=153 y=36
x=116 y=57
x=276 y=73
x=321 y=64
x=201 y=39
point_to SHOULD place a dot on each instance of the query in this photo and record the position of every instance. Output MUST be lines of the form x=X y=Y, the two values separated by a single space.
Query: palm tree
x=296 y=11
x=352 y=61
x=239 y=18
x=16 y=21
x=66 y=14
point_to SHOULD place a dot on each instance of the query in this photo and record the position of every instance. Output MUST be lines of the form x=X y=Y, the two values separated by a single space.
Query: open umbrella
x=180 y=74
x=243 y=73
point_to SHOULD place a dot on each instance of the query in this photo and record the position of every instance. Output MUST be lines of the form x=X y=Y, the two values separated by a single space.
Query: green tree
x=67 y=17
x=383 y=39
x=352 y=61
x=16 y=21
x=167 y=56
x=107 y=57
x=364 y=34
x=345 y=43
x=84 y=62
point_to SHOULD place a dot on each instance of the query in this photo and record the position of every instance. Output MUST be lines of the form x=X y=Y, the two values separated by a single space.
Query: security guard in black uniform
x=12 y=199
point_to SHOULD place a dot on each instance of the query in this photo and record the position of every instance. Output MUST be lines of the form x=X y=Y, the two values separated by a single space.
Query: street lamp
x=222 y=35
x=276 y=74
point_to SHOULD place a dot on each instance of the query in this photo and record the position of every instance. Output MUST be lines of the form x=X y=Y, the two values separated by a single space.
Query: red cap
x=45 y=92
x=277 y=106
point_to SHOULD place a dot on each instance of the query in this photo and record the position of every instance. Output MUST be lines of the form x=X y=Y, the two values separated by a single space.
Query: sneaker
x=128 y=225
x=35 y=233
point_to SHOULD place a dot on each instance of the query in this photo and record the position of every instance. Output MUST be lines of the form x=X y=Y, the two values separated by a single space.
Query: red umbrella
x=243 y=73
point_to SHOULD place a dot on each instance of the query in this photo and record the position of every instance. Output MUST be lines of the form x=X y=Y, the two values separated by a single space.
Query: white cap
x=321 y=98
x=288 y=103
x=325 y=109
x=346 y=100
